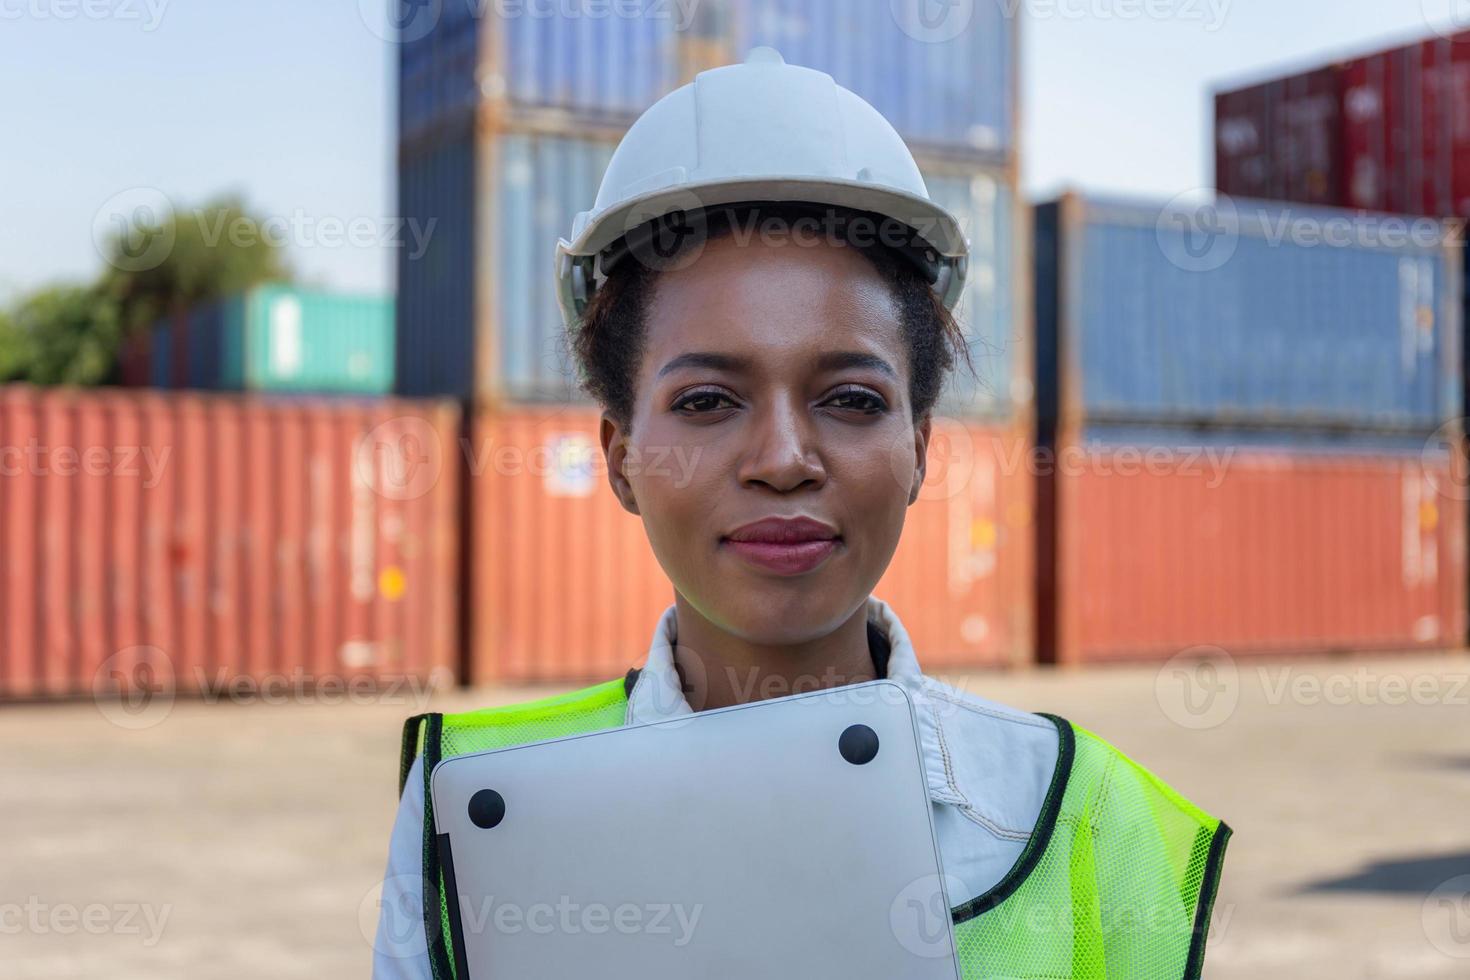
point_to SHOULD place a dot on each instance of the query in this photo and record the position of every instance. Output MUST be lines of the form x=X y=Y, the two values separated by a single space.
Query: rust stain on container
x=1279 y=552
x=210 y=541
x=564 y=586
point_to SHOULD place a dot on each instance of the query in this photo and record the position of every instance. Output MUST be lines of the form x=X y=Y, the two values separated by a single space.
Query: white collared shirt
x=988 y=767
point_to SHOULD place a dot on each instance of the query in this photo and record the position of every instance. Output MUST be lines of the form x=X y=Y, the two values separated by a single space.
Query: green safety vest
x=1117 y=881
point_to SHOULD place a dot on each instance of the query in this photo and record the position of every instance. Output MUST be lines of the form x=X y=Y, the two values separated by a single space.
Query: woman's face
x=774 y=385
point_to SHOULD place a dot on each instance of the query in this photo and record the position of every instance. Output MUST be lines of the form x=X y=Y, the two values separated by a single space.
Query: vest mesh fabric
x=1121 y=888
x=1120 y=891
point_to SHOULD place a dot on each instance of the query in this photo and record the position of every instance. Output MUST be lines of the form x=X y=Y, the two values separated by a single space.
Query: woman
x=763 y=290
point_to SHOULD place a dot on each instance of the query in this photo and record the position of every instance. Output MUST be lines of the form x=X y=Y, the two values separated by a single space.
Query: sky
x=289 y=103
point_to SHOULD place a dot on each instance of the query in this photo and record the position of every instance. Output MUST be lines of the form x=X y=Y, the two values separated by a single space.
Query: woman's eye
x=859 y=400
x=701 y=401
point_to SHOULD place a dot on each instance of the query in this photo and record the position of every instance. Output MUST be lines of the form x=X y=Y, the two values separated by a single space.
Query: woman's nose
x=783 y=450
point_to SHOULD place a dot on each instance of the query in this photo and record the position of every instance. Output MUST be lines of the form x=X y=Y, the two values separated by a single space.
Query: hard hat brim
x=932 y=223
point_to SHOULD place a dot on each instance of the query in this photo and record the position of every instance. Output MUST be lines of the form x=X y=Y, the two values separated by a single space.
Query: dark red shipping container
x=135 y=359
x=1243 y=145
x=1281 y=140
x=200 y=541
x=1396 y=139
x=1374 y=134
x=1306 y=138
x=1273 y=552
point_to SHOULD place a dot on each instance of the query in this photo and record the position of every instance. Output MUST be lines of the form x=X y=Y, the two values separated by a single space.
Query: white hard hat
x=760 y=131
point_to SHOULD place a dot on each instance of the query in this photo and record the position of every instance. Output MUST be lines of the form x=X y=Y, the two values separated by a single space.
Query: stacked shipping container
x=1244 y=432
x=278 y=338
x=506 y=125
x=1389 y=131
x=201 y=542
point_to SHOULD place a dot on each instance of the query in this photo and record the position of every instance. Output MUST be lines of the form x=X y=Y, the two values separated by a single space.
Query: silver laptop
x=785 y=838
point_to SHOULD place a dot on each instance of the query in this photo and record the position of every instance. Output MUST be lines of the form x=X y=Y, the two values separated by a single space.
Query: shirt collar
x=657 y=696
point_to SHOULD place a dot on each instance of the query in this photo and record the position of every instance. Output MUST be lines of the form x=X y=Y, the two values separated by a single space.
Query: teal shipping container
x=291 y=339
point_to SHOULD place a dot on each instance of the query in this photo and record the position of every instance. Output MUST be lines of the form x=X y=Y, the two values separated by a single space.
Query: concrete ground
x=246 y=840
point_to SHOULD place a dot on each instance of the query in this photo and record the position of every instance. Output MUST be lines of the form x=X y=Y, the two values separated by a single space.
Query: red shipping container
x=1243 y=144
x=1396 y=138
x=1374 y=150
x=565 y=587
x=1434 y=192
x=1274 y=552
x=1281 y=140
x=202 y=541
x=1454 y=99
x=1306 y=138
x=135 y=359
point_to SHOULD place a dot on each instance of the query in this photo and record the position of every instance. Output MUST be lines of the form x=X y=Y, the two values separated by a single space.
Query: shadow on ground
x=1404 y=876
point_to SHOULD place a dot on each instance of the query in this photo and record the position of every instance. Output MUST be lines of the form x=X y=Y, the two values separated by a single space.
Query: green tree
x=62 y=335
x=158 y=264
x=15 y=350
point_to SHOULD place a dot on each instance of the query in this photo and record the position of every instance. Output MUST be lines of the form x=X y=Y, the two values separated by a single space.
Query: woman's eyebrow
x=706 y=359
x=831 y=361
x=842 y=359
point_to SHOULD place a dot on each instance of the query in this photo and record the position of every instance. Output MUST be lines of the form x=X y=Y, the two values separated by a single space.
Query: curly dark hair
x=607 y=341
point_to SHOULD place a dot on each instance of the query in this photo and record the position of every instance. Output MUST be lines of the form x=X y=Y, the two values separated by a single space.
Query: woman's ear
x=921 y=456
x=615 y=451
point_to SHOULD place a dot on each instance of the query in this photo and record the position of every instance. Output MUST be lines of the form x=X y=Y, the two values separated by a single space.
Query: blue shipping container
x=949 y=83
x=986 y=208
x=1244 y=313
x=497 y=258
x=437 y=67
x=434 y=339
x=586 y=57
x=161 y=355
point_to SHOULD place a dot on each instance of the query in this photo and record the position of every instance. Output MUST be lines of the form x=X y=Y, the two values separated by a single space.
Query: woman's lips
x=784 y=558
